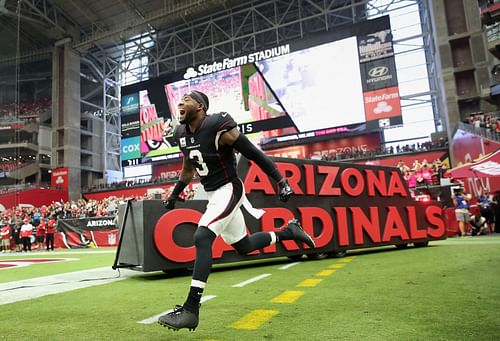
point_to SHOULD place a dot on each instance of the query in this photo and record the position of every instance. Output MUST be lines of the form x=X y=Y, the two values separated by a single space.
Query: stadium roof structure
x=93 y=23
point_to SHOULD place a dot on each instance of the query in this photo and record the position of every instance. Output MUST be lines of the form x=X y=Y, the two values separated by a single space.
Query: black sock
x=192 y=303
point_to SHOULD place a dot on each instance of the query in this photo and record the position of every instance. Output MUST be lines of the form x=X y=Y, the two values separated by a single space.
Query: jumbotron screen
x=329 y=84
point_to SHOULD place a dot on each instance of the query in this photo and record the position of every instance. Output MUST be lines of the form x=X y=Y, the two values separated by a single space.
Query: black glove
x=174 y=196
x=169 y=203
x=285 y=190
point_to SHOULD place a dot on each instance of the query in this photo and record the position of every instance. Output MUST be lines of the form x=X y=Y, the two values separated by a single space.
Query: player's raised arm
x=242 y=144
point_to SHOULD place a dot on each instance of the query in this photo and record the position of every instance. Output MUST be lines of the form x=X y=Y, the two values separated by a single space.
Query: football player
x=208 y=143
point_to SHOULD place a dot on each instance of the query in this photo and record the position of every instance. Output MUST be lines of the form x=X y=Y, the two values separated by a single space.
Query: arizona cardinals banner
x=85 y=232
x=89 y=224
x=343 y=206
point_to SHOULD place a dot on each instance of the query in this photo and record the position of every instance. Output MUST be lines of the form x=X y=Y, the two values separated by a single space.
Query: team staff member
x=208 y=143
x=479 y=225
x=486 y=208
x=40 y=233
x=49 y=234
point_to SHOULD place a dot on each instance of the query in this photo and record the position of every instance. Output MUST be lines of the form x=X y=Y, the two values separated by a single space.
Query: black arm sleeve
x=248 y=150
x=179 y=187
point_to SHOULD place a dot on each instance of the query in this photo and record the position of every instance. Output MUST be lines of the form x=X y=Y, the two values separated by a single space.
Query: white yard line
x=288 y=266
x=251 y=280
x=16 y=291
x=154 y=319
x=471 y=240
x=43 y=253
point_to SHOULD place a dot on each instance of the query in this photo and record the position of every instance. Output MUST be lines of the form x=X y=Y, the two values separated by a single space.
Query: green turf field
x=447 y=291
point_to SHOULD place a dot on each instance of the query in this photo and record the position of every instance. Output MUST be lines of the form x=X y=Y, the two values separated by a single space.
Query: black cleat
x=179 y=318
x=299 y=234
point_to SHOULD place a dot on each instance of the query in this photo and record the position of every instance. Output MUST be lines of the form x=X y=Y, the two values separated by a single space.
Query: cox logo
x=130 y=148
x=378 y=71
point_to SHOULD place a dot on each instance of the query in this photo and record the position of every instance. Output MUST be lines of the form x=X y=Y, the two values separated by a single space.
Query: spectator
x=442 y=170
x=36 y=217
x=16 y=235
x=419 y=173
x=412 y=179
x=426 y=174
x=26 y=232
x=5 y=235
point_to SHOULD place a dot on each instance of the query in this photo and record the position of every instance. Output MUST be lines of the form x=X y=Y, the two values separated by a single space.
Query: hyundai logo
x=378 y=71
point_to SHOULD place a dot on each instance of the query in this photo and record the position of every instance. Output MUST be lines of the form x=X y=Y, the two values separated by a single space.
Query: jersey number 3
x=200 y=165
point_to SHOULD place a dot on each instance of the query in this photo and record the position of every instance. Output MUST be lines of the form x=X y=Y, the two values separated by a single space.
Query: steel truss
x=103 y=71
x=104 y=99
x=243 y=29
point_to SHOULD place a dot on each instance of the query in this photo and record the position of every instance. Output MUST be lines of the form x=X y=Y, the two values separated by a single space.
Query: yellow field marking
x=325 y=273
x=288 y=296
x=346 y=260
x=254 y=319
x=336 y=266
x=310 y=282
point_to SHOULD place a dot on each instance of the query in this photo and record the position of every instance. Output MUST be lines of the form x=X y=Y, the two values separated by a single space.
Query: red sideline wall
x=36 y=197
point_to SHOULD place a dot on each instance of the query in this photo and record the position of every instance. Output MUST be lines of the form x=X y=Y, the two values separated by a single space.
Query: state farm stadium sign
x=382 y=103
x=228 y=63
x=383 y=97
x=60 y=173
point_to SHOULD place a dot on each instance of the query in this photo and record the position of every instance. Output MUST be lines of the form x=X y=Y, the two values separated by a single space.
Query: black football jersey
x=215 y=164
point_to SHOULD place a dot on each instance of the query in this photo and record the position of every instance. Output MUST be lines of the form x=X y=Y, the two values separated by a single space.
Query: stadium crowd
x=10 y=166
x=22 y=222
x=423 y=173
x=25 y=111
x=170 y=178
x=490 y=121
